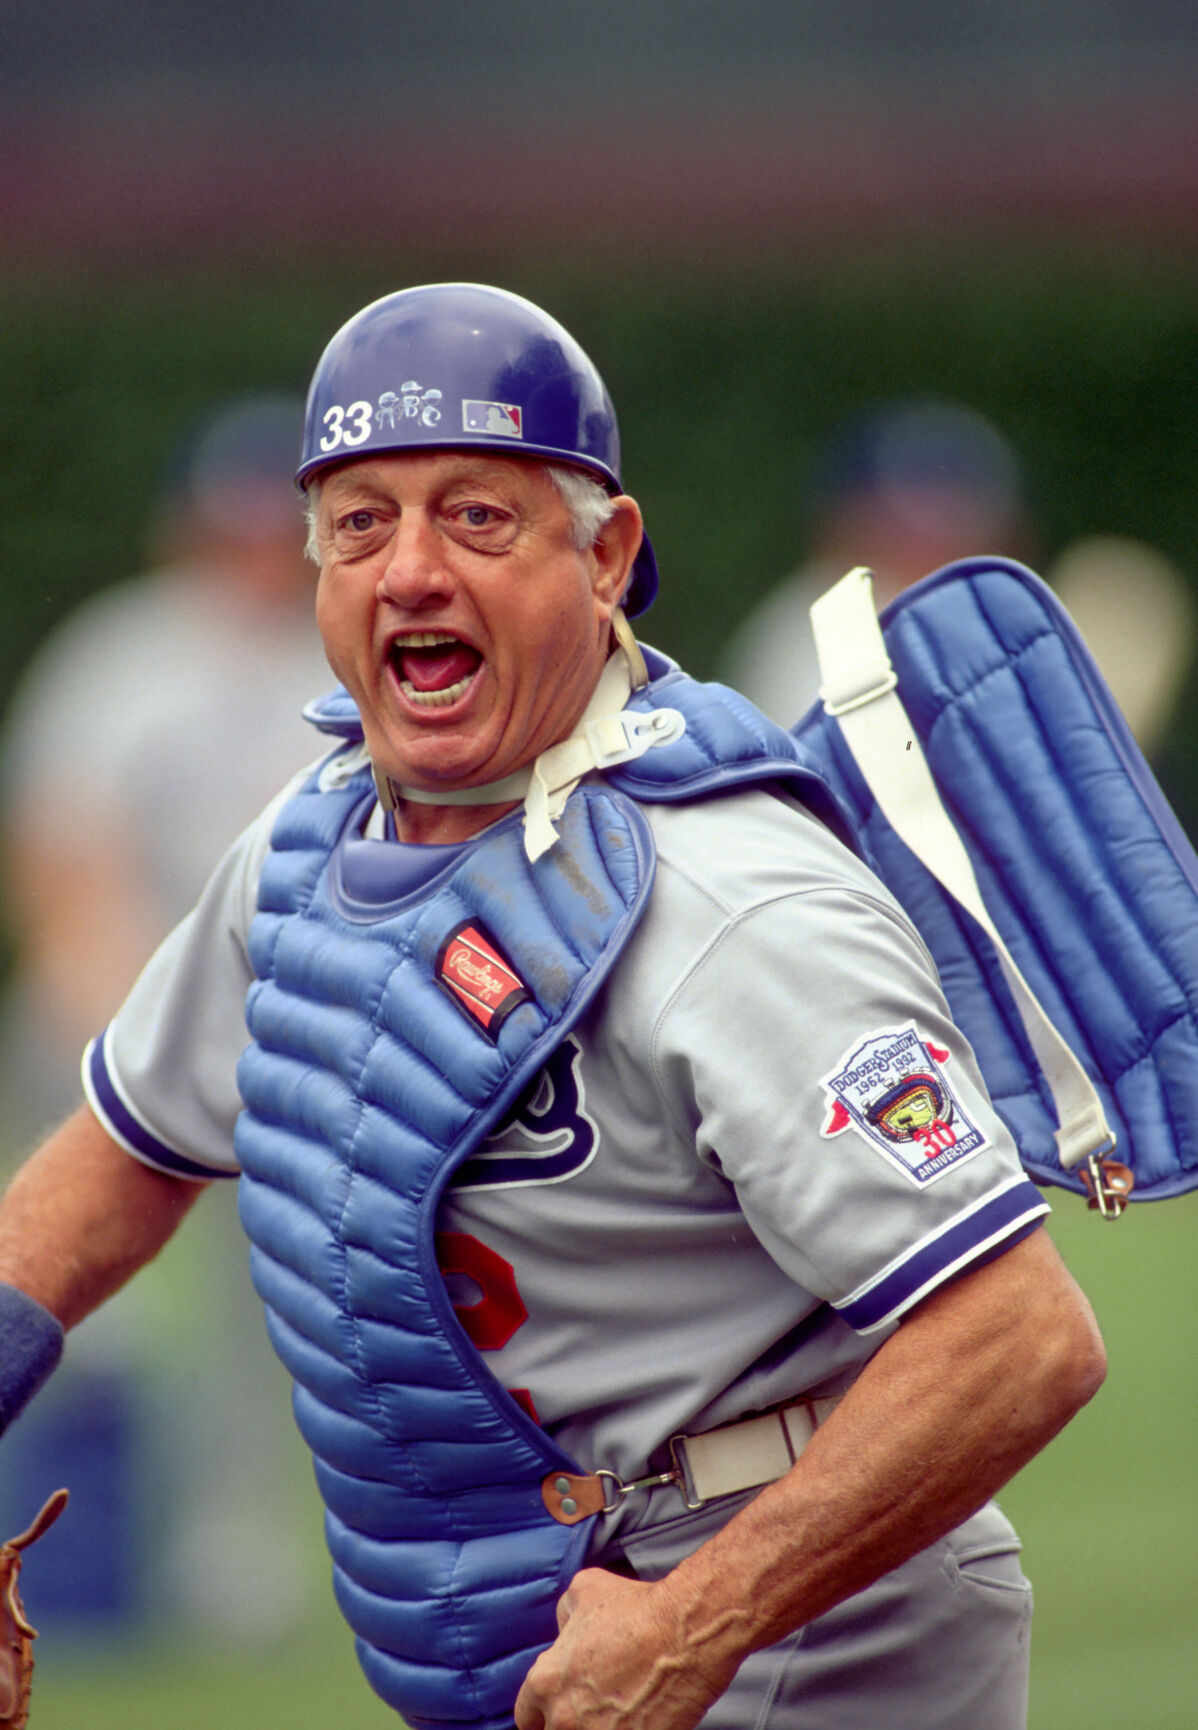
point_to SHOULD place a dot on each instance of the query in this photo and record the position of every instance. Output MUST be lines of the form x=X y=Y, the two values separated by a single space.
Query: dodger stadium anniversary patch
x=892 y=1089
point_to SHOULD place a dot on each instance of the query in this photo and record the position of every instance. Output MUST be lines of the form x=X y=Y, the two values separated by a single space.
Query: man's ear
x=615 y=547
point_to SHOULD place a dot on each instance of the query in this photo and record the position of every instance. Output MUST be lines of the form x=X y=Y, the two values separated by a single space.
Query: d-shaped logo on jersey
x=547 y=1136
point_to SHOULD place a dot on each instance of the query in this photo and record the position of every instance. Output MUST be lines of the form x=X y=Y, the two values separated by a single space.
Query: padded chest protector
x=367 y=1084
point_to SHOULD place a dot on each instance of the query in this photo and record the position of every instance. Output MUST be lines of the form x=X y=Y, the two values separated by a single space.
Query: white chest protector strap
x=608 y=734
x=859 y=688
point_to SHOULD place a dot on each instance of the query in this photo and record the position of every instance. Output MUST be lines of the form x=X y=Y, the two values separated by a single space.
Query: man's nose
x=415 y=572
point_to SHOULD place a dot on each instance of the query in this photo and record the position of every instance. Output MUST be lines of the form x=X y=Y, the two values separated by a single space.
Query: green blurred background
x=756 y=225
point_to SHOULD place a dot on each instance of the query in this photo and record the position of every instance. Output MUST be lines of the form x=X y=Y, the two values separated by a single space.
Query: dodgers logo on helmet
x=461 y=365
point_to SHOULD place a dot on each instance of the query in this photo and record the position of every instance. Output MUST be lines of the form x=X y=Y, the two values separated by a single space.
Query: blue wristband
x=30 y=1346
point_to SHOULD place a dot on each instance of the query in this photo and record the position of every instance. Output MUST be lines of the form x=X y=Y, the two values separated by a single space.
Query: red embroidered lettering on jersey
x=478 y=979
x=499 y=1310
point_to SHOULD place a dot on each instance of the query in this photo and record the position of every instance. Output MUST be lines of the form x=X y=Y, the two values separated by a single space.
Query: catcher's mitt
x=16 y=1633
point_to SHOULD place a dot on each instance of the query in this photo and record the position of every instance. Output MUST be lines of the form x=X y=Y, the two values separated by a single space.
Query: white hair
x=590 y=506
x=311 y=512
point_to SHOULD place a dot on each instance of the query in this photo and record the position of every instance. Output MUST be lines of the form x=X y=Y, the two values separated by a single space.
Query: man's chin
x=449 y=759
x=430 y=773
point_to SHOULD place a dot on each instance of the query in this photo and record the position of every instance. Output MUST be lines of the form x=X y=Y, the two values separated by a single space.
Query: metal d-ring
x=620 y=1489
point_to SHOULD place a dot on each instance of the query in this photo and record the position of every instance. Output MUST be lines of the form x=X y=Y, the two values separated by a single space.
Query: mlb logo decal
x=504 y=418
x=892 y=1090
x=474 y=974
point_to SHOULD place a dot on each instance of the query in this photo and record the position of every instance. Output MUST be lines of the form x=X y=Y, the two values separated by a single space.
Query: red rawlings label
x=478 y=979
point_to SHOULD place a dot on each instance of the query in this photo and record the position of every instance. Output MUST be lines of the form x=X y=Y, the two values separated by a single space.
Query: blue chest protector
x=369 y=1082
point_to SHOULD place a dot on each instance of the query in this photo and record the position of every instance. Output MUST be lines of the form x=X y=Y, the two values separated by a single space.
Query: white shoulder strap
x=860 y=689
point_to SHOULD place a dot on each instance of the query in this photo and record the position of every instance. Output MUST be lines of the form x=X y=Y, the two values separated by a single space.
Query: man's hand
x=621 y=1661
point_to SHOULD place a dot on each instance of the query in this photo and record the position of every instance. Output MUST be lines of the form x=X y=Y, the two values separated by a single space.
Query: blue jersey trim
x=108 y=1105
x=963 y=1242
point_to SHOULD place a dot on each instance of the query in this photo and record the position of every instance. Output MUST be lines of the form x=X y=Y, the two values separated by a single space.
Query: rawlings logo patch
x=478 y=979
x=892 y=1089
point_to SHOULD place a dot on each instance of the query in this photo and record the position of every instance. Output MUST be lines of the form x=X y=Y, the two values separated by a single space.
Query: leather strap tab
x=1109 y=1184
x=570 y=1498
x=50 y=1511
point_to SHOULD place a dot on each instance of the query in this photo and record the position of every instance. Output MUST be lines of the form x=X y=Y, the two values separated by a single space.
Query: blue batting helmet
x=456 y=365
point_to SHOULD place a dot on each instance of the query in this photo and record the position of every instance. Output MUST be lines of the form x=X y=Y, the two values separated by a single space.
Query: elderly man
x=658 y=1365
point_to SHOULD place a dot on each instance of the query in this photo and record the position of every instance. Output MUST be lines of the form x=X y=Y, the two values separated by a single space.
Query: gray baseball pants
x=942 y=1643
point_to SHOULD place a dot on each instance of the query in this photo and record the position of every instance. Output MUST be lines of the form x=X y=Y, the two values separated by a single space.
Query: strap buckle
x=868 y=682
x=571 y=1497
x=1109 y=1184
x=703 y=1468
x=615 y=1489
x=654 y=1481
x=625 y=736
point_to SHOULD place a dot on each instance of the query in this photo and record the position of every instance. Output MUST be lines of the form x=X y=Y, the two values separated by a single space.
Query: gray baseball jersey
x=763 y=1144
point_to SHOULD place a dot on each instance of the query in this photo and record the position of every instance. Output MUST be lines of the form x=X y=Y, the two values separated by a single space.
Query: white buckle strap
x=740 y=1456
x=606 y=735
x=745 y=1455
x=622 y=738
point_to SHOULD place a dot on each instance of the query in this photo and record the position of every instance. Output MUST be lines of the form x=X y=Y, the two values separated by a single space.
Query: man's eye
x=360 y=521
x=478 y=516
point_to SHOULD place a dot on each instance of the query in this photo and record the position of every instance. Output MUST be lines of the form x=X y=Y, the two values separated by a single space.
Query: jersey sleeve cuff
x=1003 y=1215
x=110 y=1104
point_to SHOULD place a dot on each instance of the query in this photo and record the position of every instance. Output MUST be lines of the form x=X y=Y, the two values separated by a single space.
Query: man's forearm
x=81 y=1216
x=970 y=1387
x=968 y=1390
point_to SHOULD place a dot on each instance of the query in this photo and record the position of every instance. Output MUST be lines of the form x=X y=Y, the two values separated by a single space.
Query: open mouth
x=434 y=668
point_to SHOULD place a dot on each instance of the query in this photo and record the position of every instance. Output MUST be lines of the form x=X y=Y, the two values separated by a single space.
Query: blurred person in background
x=903 y=489
x=1139 y=617
x=150 y=728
